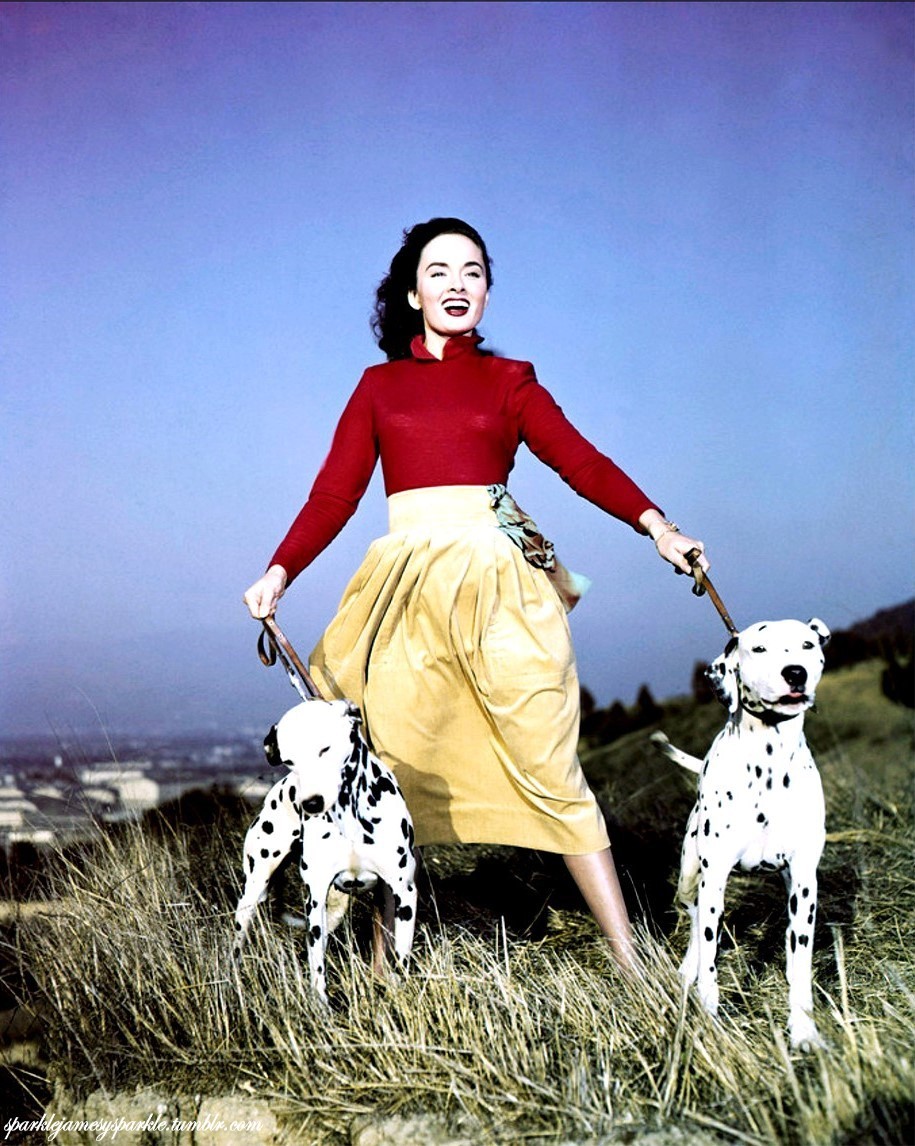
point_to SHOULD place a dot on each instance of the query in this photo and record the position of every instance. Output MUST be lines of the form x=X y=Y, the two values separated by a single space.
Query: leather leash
x=272 y=643
x=704 y=585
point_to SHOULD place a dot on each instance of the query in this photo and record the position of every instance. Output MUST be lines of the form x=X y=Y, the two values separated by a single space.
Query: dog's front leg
x=687 y=892
x=801 y=883
x=316 y=886
x=267 y=843
x=404 y=899
x=707 y=927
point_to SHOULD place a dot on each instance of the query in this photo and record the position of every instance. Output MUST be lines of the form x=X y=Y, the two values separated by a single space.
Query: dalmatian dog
x=759 y=803
x=346 y=811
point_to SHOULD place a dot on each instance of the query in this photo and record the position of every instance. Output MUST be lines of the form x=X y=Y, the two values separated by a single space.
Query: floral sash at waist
x=522 y=531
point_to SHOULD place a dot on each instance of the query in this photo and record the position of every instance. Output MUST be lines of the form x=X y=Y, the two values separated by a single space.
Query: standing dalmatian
x=759 y=803
x=345 y=809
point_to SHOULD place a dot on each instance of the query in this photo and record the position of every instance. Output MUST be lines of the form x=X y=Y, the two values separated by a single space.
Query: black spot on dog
x=792 y=904
x=769 y=749
x=793 y=942
x=709 y=934
x=804 y=940
x=267 y=827
x=250 y=863
x=761 y=819
x=264 y=853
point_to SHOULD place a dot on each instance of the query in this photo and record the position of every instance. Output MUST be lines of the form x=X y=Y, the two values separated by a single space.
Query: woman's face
x=451 y=289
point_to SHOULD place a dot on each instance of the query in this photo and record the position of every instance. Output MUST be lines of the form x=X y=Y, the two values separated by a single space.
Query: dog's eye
x=808 y=644
x=323 y=750
x=758 y=649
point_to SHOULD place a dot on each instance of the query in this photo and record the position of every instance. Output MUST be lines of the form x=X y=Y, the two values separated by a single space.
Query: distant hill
x=889 y=634
x=895 y=625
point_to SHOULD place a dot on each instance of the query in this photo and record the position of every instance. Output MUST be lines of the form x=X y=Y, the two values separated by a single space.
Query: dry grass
x=516 y=1027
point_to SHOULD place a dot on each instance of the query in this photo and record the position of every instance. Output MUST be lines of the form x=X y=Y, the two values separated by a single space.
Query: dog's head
x=318 y=740
x=772 y=667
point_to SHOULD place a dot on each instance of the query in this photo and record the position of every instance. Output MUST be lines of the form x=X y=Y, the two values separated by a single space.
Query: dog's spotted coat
x=759 y=803
x=346 y=811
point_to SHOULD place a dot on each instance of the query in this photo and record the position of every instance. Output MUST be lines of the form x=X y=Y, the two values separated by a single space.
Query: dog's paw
x=708 y=995
x=803 y=1034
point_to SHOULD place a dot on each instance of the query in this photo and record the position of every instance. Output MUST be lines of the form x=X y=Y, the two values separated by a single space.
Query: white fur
x=348 y=811
x=759 y=803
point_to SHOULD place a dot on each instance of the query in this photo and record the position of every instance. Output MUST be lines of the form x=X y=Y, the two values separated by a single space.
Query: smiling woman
x=452 y=289
x=452 y=636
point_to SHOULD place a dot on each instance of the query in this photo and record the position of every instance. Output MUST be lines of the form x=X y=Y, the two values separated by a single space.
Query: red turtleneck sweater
x=458 y=421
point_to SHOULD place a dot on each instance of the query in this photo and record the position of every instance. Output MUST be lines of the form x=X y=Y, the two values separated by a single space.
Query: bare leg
x=595 y=875
x=382 y=931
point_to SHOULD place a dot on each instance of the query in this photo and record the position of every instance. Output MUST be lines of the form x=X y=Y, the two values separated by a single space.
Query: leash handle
x=703 y=585
x=272 y=643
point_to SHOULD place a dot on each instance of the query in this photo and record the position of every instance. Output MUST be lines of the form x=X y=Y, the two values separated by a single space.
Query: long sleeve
x=338 y=488
x=555 y=441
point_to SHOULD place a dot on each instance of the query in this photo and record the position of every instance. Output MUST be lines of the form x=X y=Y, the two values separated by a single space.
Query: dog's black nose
x=795 y=675
x=313 y=805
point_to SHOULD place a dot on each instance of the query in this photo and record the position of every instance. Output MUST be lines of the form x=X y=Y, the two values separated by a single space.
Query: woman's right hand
x=263 y=596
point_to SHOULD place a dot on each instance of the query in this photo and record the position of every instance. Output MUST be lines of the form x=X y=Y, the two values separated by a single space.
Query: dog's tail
x=691 y=763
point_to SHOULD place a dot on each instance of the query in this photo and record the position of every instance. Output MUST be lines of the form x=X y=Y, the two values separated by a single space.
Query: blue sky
x=701 y=223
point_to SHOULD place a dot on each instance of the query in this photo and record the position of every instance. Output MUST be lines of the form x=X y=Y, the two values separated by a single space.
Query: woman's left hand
x=671 y=543
x=673 y=547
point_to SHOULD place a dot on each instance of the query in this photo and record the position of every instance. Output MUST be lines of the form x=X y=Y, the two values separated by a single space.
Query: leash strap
x=272 y=643
x=704 y=585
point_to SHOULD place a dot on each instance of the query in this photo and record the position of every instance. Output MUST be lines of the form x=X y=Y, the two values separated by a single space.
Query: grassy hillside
x=514 y=1023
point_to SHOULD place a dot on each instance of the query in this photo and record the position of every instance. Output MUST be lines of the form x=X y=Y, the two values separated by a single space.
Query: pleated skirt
x=459 y=654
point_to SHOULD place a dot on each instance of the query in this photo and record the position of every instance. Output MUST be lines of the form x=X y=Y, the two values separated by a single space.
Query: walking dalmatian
x=346 y=810
x=759 y=803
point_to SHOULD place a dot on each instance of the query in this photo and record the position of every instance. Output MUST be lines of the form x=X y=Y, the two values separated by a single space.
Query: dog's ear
x=821 y=630
x=272 y=748
x=722 y=676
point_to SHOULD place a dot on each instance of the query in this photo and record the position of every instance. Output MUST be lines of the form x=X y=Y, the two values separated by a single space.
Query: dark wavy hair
x=394 y=321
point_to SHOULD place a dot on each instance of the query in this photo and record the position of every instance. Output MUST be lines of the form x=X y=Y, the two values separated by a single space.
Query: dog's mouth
x=794 y=699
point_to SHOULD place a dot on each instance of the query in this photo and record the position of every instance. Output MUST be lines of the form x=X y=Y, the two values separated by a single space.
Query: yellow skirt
x=458 y=652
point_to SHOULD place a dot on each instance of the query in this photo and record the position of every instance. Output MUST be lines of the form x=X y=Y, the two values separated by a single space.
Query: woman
x=450 y=637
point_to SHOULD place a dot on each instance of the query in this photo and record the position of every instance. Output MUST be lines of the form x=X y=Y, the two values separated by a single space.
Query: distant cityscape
x=50 y=794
